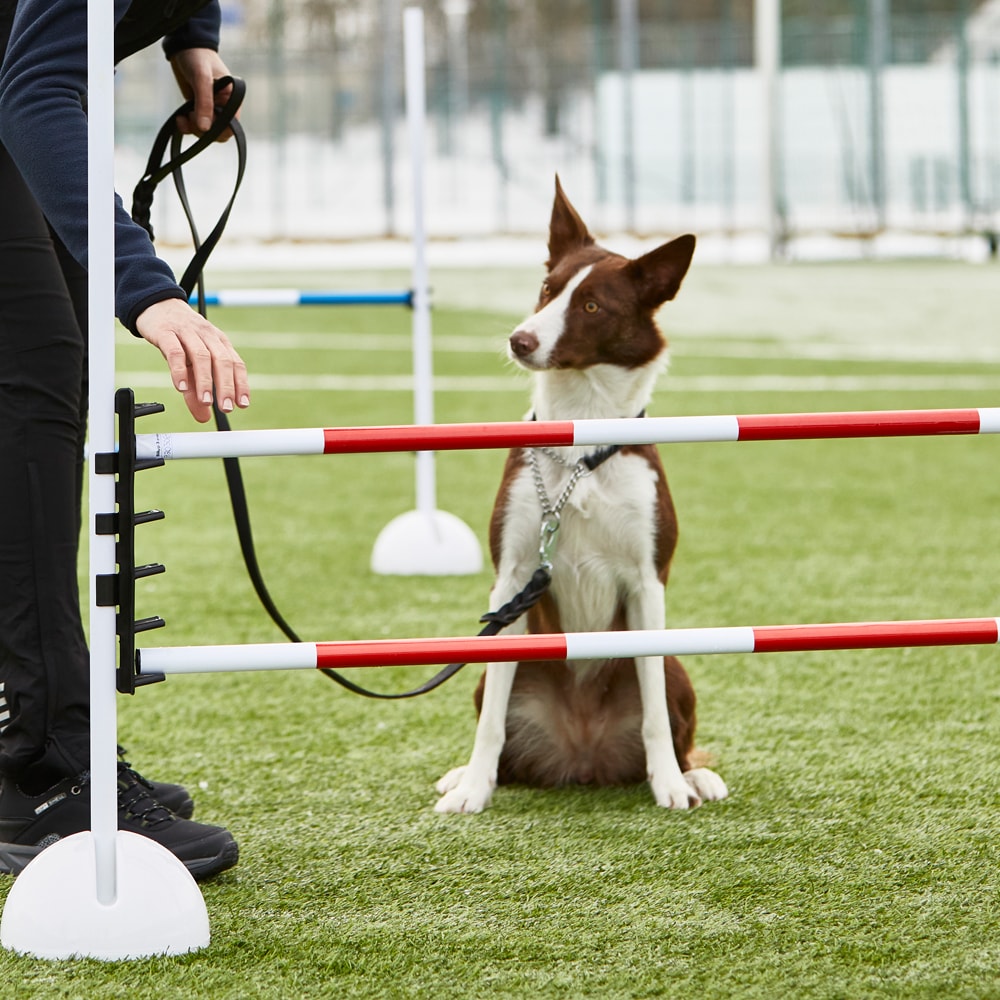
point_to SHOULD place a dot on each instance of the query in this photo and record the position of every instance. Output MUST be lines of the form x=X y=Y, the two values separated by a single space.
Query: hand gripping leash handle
x=142 y=197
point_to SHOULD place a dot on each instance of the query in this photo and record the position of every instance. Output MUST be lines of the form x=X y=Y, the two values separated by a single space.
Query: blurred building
x=887 y=111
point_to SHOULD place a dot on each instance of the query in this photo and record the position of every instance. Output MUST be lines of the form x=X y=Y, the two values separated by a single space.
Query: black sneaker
x=175 y=797
x=30 y=823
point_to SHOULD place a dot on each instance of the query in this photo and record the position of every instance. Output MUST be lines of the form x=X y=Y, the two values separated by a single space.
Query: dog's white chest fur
x=604 y=545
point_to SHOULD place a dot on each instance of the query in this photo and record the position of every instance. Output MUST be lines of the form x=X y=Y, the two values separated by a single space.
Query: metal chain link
x=556 y=457
x=551 y=512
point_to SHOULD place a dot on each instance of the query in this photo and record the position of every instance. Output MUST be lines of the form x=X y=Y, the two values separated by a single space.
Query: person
x=44 y=662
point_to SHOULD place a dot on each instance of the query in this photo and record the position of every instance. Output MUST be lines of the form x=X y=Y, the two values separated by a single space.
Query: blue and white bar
x=293 y=297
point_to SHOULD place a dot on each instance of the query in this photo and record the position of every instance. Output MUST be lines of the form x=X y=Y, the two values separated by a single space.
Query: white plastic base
x=427 y=543
x=52 y=909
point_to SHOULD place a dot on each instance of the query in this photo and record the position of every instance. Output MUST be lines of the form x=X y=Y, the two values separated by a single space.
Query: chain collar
x=552 y=512
x=555 y=456
x=550 y=509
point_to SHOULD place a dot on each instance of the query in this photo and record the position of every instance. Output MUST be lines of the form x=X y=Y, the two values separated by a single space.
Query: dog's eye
x=545 y=289
x=591 y=306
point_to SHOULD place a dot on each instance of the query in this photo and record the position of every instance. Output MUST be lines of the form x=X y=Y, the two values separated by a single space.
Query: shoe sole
x=14 y=858
x=202 y=868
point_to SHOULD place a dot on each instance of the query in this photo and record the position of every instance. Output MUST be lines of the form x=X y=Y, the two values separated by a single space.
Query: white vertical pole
x=100 y=266
x=628 y=63
x=387 y=109
x=425 y=541
x=878 y=57
x=103 y=893
x=767 y=49
x=423 y=376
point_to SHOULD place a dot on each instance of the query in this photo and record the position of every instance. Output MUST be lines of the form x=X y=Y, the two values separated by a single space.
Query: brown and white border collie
x=595 y=351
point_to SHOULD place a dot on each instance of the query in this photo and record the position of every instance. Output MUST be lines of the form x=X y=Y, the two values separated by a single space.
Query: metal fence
x=888 y=121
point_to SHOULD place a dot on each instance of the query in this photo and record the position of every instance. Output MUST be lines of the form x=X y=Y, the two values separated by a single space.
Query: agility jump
x=570 y=646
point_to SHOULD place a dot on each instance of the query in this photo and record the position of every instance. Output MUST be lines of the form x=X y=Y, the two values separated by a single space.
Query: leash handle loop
x=156 y=170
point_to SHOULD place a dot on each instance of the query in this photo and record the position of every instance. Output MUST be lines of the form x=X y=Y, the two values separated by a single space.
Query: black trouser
x=44 y=663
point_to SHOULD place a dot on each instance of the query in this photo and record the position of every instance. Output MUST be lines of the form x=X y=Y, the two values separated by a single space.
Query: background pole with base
x=425 y=541
x=103 y=893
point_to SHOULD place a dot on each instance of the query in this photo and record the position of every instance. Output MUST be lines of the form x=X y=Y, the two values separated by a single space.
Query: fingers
x=194 y=76
x=182 y=373
x=196 y=71
x=206 y=98
x=202 y=361
x=229 y=374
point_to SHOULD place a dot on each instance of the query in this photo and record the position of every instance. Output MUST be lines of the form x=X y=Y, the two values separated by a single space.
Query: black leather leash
x=156 y=171
x=142 y=202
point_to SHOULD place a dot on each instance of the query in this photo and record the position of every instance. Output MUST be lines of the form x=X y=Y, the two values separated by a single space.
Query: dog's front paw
x=450 y=780
x=467 y=796
x=708 y=786
x=674 y=792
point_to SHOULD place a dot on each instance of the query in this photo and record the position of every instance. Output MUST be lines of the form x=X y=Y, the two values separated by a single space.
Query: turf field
x=856 y=857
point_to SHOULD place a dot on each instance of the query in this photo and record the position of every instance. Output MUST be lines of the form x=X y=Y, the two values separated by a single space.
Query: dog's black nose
x=523 y=343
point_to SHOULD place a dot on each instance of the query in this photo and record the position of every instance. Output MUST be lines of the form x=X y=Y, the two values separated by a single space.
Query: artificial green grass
x=856 y=855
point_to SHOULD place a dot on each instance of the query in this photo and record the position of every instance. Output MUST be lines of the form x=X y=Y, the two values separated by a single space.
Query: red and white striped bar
x=629 y=430
x=569 y=646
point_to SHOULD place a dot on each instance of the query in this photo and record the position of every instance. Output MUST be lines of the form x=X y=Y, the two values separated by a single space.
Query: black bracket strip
x=127 y=677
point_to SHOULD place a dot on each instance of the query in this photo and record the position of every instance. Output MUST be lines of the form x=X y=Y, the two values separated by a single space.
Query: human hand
x=199 y=355
x=196 y=71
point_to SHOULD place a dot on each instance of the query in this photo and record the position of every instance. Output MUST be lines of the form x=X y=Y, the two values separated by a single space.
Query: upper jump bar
x=569 y=646
x=625 y=431
x=293 y=297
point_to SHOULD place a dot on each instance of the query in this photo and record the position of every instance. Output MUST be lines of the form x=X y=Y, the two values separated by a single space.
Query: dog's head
x=597 y=307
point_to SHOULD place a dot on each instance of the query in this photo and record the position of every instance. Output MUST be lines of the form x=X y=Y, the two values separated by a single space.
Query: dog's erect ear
x=659 y=273
x=567 y=231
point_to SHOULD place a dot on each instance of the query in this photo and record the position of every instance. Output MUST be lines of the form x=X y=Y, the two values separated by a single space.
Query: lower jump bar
x=569 y=646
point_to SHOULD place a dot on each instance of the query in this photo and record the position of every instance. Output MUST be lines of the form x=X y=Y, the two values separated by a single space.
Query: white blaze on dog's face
x=533 y=342
x=597 y=307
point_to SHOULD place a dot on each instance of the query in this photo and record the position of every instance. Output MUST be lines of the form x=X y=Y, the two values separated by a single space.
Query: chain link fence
x=889 y=119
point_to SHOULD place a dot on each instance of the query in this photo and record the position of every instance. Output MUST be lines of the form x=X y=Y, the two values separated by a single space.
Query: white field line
x=701 y=347
x=670 y=384
x=354 y=342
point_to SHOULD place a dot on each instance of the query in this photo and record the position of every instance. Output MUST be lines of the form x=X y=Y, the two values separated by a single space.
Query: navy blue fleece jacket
x=43 y=125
